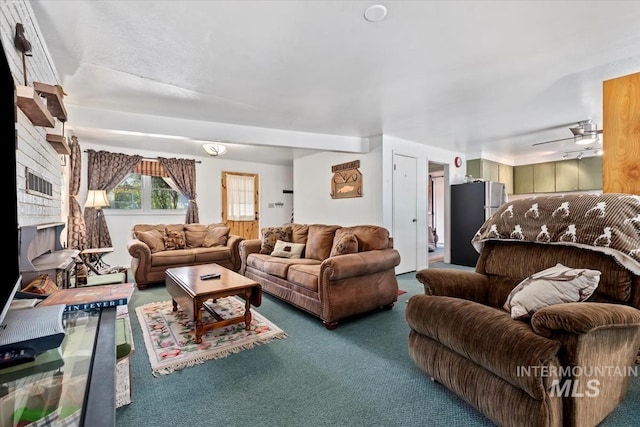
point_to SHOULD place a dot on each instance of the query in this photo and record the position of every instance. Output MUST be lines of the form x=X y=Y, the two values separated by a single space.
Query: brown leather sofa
x=568 y=364
x=202 y=244
x=330 y=280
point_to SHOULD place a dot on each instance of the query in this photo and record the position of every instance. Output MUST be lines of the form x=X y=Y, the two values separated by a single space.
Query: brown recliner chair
x=570 y=363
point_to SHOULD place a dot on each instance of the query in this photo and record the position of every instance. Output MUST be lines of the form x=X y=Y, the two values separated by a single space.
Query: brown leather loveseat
x=156 y=247
x=563 y=364
x=341 y=271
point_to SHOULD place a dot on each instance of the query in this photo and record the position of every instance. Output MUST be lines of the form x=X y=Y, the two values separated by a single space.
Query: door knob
x=414 y=220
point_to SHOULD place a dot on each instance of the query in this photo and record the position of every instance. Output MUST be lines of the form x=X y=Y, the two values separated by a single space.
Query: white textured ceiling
x=475 y=76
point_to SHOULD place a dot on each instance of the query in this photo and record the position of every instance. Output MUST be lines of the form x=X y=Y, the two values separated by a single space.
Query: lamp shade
x=96 y=199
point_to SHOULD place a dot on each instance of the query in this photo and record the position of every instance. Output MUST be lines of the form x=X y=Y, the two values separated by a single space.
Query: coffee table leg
x=175 y=305
x=247 y=310
x=199 y=325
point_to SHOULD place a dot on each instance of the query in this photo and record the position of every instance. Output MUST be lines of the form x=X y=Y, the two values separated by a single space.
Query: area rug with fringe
x=170 y=337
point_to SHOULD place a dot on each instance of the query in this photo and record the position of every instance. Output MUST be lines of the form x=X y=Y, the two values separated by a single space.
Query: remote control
x=16 y=357
x=210 y=276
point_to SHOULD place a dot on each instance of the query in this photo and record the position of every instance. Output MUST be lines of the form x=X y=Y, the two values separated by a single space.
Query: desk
x=77 y=382
x=93 y=258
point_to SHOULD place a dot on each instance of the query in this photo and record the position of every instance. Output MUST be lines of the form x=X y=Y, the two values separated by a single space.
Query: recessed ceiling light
x=375 y=13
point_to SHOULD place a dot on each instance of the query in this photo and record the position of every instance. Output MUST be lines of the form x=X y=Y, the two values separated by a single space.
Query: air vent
x=38 y=185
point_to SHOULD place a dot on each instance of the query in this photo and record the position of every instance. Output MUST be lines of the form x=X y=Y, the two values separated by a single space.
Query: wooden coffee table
x=190 y=292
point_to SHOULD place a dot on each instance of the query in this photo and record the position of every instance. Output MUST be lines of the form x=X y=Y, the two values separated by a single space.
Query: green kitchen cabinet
x=523 y=179
x=505 y=175
x=579 y=174
x=567 y=175
x=544 y=177
x=590 y=173
x=473 y=168
x=490 y=170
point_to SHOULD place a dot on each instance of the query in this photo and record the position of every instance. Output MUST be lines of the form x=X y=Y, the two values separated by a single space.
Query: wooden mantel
x=621 y=135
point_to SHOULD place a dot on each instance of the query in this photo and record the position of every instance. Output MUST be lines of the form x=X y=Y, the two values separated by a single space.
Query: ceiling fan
x=586 y=132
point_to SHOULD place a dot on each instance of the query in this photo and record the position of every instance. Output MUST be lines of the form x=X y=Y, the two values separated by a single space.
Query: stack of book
x=94 y=297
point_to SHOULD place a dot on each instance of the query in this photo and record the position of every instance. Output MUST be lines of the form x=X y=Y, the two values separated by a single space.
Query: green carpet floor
x=359 y=374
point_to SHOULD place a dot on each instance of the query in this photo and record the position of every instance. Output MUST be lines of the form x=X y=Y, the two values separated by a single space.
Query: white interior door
x=405 y=211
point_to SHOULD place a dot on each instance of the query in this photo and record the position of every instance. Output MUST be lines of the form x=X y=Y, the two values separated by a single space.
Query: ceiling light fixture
x=586 y=132
x=375 y=13
x=214 y=149
x=579 y=154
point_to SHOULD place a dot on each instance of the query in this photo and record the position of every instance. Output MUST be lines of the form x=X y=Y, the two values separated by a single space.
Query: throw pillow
x=152 y=238
x=194 y=235
x=41 y=285
x=174 y=240
x=270 y=235
x=299 y=233
x=287 y=249
x=216 y=236
x=320 y=241
x=554 y=285
x=345 y=243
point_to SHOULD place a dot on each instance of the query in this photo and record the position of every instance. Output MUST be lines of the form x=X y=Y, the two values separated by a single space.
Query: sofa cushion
x=194 y=235
x=279 y=267
x=216 y=236
x=370 y=237
x=320 y=241
x=344 y=243
x=299 y=233
x=287 y=249
x=152 y=238
x=146 y=227
x=270 y=235
x=257 y=261
x=174 y=239
x=555 y=285
x=615 y=282
x=212 y=254
x=173 y=257
x=305 y=275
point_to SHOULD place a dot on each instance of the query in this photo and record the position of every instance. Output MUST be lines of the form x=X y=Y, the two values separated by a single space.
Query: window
x=240 y=198
x=147 y=193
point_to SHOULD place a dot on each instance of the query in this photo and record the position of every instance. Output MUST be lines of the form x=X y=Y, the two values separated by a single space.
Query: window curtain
x=76 y=230
x=240 y=201
x=183 y=174
x=105 y=170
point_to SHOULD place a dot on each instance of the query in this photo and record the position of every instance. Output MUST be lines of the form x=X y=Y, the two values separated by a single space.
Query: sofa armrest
x=463 y=284
x=359 y=264
x=138 y=249
x=248 y=247
x=141 y=262
x=583 y=317
x=233 y=243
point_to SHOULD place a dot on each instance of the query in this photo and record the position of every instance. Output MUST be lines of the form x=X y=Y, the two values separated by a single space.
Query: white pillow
x=287 y=249
x=554 y=285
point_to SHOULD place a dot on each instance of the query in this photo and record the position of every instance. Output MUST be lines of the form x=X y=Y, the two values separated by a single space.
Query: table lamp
x=97 y=199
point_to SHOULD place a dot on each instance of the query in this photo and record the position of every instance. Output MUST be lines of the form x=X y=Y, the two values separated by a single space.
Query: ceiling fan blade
x=597 y=132
x=548 y=142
